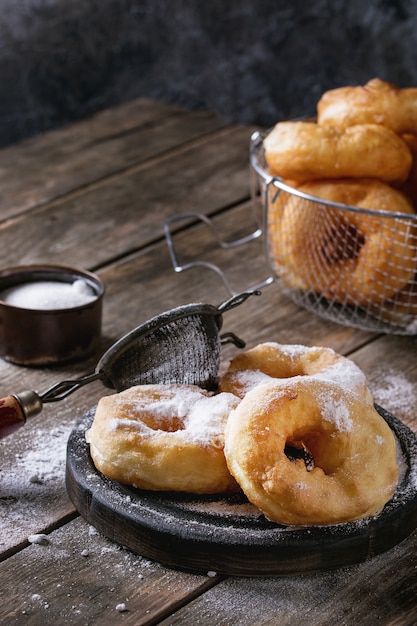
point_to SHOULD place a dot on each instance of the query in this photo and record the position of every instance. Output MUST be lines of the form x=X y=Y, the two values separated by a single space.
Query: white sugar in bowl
x=49 y=314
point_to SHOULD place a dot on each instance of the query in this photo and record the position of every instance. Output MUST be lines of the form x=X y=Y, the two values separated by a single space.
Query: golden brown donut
x=348 y=257
x=271 y=360
x=377 y=102
x=303 y=151
x=401 y=309
x=409 y=187
x=349 y=470
x=163 y=437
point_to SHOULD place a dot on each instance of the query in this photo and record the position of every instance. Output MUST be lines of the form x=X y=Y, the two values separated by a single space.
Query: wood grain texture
x=76 y=576
x=148 y=279
x=126 y=212
x=391 y=367
x=138 y=288
x=96 y=195
x=380 y=591
x=49 y=166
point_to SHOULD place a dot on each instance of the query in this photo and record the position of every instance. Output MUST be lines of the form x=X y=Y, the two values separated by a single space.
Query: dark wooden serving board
x=229 y=535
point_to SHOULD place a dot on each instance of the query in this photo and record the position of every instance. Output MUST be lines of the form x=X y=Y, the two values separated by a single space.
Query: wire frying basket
x=346 y=264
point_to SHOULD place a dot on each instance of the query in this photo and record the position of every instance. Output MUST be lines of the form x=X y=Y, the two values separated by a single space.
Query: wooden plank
x=102 y=223
x=137 y=289
x=77 y=576
x=391 y=367
x=380 y=591
x=151 y=281
x=32 y=473
x=142 y=286
x=53 y=164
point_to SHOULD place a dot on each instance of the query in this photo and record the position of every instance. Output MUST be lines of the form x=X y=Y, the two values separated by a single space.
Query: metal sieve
x=179 y=346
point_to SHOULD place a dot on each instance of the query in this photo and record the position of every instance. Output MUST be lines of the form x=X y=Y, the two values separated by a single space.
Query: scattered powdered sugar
x=36 y=597
x=30 y=483
x=395 y=392
x=176 y=406
x=92 y=531
x=301 y=486
x=177 y=403
x=39 y=538
x=291 y=350
x=319 y=362
x=202 y=416
x=44 y=460
x=48 y=295
x=248 y=379
x=207 y=418
x=335 y=410
x=345 y=373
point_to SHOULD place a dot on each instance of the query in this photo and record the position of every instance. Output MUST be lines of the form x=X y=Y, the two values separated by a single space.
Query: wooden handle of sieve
x=12 y=415
x=15 y=409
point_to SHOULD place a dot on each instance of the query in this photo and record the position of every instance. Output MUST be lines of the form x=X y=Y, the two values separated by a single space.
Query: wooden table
x=96 y=195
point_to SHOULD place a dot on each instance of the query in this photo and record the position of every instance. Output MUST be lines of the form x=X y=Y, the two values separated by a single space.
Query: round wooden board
x=228 y=535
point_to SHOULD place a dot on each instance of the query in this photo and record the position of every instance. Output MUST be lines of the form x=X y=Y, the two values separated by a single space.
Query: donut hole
x=343 y=241
x=315 y=449
x=295 y=450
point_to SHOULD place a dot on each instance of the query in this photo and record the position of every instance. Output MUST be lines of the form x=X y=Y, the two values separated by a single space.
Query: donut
x=401 y=309
x=377 y=102
x=163 y=438
x=304 y=151
x=409 y=187
x=347 y=256
x=309 y=452
x=271 y=360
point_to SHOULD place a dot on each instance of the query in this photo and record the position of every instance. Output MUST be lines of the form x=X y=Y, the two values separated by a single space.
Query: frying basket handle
x=178 y=267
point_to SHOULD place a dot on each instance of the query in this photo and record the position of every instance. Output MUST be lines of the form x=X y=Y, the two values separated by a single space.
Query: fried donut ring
x=304 y=151
x=409 y=187
x=348 y=257
x=164 y=438
x=377 y=102
x=350 y=446
x=273 y=360
x=401 y=309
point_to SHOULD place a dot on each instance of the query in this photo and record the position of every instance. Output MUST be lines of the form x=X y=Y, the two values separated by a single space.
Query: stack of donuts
x=293 y=427
x=360 y=152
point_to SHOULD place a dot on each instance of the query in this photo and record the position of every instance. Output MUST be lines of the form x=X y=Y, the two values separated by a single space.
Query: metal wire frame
x=310 y=265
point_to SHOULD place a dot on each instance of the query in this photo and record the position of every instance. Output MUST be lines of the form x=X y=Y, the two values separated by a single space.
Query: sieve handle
x=16 y=409
x=66 y=387
x=236 y=300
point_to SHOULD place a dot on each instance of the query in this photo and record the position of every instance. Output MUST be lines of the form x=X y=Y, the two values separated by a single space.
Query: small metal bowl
x=37 y=337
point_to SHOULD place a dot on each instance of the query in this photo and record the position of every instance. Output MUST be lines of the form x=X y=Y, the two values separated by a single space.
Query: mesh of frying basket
x=322 y=262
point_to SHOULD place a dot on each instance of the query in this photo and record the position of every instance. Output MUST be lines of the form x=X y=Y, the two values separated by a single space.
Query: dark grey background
x=252 y=61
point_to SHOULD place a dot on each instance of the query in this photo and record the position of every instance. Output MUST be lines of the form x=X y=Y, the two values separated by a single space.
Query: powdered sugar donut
x=273 y=360
x=309 y=452
x=163 y=437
